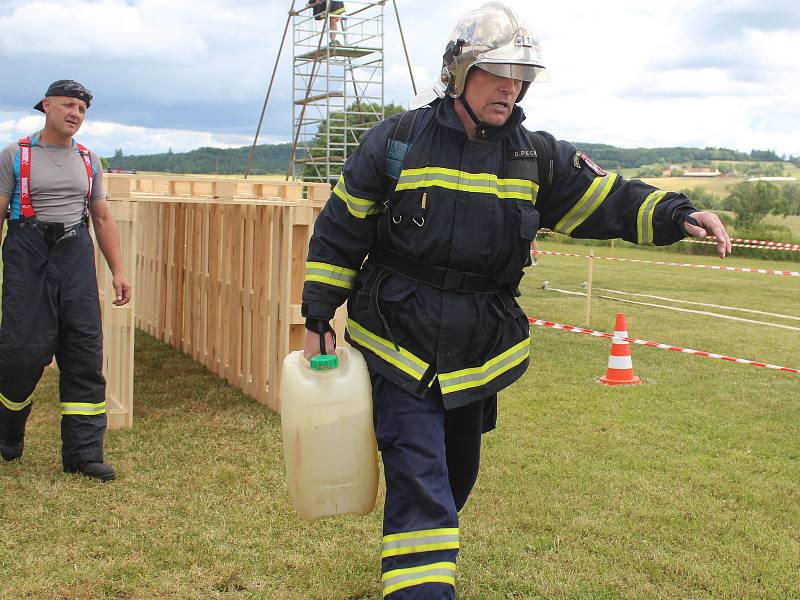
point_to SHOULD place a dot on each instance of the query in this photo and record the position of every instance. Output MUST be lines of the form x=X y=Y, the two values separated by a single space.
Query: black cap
x=67 y=87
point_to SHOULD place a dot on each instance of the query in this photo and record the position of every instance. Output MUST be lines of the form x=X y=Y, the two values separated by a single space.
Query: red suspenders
x=25 y=176
x=87 y=162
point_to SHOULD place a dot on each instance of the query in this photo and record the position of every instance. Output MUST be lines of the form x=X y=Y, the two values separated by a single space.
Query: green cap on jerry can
x=322 y=362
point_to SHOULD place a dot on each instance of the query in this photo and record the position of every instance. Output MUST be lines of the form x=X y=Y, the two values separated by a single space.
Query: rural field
x=683 y=487
x=717 y=185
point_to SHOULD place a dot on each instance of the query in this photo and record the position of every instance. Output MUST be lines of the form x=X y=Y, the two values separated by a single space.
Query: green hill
x=274 y=158
x=267 y=159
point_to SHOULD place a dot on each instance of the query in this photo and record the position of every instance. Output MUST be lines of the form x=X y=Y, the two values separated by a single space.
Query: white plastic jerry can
x=328 y=437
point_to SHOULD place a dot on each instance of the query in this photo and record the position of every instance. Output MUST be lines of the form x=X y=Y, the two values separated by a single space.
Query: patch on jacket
x=522 y=154
x=583 y=157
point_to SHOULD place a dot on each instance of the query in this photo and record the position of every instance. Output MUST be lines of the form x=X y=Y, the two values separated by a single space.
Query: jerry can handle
x=324 y=361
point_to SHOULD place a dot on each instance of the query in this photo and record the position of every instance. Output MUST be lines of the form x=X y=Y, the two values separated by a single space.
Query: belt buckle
x=452 y=280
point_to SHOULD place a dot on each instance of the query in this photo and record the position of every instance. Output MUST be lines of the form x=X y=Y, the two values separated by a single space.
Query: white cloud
x=694 y=72
x=105 y=137
x=109 y=28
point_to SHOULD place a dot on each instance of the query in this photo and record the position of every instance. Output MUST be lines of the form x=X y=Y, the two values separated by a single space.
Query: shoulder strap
x=544 y=161
x=400 y=143
x=26 y=209
x=86 y=156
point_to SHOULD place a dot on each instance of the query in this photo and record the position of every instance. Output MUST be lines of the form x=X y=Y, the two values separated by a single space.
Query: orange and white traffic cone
x=620 y=365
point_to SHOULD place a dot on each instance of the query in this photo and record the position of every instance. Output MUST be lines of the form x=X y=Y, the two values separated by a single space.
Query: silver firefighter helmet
x=494 y=39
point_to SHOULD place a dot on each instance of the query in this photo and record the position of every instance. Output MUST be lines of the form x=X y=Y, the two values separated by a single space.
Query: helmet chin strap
x=483 y=131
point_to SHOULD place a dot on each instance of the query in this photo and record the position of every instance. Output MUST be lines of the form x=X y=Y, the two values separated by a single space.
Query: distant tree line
x=267 y=159
x=274 y=158
x=611 y=157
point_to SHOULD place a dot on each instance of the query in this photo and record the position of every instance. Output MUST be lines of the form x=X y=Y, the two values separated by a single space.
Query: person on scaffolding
x=443 y=202
x=331 y=9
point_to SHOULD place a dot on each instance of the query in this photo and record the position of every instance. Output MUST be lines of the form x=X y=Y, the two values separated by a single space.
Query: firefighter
x=426 y=235
x=52 y=185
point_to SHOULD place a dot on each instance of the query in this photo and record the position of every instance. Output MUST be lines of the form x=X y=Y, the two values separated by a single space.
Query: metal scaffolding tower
x=337 y=86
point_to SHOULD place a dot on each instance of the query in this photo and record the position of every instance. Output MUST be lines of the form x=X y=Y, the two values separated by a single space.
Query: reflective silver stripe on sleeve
x=589 y=202
x=330 y=274
x=358 y=207
x=645 y=216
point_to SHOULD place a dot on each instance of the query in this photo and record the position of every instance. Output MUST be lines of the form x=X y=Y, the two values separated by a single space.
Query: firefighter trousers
x=431 y=458
x=51 y=307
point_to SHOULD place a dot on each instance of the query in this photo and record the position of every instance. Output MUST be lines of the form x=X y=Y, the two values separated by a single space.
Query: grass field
x=683 y=487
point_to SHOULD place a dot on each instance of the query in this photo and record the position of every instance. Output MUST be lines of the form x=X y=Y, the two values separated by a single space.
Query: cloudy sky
x=182 y=74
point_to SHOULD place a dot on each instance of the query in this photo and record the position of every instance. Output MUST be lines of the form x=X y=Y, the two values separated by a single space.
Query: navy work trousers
x=430 y=458
x=51 y=307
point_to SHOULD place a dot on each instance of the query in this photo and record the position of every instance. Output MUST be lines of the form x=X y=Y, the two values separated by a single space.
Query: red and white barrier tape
x=784 y=245
x=611 y=336
x=743 y=245
x=712 y=240
x=673 y=264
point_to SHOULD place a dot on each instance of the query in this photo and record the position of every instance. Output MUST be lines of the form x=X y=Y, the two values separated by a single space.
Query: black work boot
x=95 y=470
x=11 y=450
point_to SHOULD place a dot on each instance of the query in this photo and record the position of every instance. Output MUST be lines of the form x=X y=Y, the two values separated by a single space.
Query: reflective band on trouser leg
x=358 y=207
x=15 y=406
x=644 y=219
x=478 y=376
x=420 y=520
x=420 y=541
x=479 y=183
x=330 y=274
x=588 y=203
x=398 y=579
x=83 y=408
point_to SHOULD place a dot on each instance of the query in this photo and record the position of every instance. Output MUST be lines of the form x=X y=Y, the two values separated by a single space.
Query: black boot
x=95 y=470
x=11 y=450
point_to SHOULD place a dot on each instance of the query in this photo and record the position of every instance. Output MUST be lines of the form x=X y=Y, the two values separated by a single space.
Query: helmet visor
x=512 y=71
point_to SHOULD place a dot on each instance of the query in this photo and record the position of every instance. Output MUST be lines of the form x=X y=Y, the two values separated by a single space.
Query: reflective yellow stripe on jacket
x=396 y=356
x=644 y=220
x=426 y=540
x=478 y=376
x=438 y=572
x=358 y=207
x=481 y=183
x=83 y=408
x=330 y=274
x=589 y=202
x=15 y=406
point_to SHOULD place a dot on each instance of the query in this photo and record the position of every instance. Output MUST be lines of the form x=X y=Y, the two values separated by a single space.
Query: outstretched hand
x=709 y=224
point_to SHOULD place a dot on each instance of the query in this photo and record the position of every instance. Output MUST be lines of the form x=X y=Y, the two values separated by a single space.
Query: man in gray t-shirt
x=50 y=185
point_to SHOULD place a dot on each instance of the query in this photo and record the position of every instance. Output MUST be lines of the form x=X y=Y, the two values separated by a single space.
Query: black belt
x=440 y=277
x=52 y=231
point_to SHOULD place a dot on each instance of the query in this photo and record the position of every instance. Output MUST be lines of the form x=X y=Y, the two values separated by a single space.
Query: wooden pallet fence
x=220 y=274
x=118 y=321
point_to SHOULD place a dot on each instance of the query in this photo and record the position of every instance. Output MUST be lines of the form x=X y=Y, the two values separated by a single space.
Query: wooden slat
x=219 y=269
